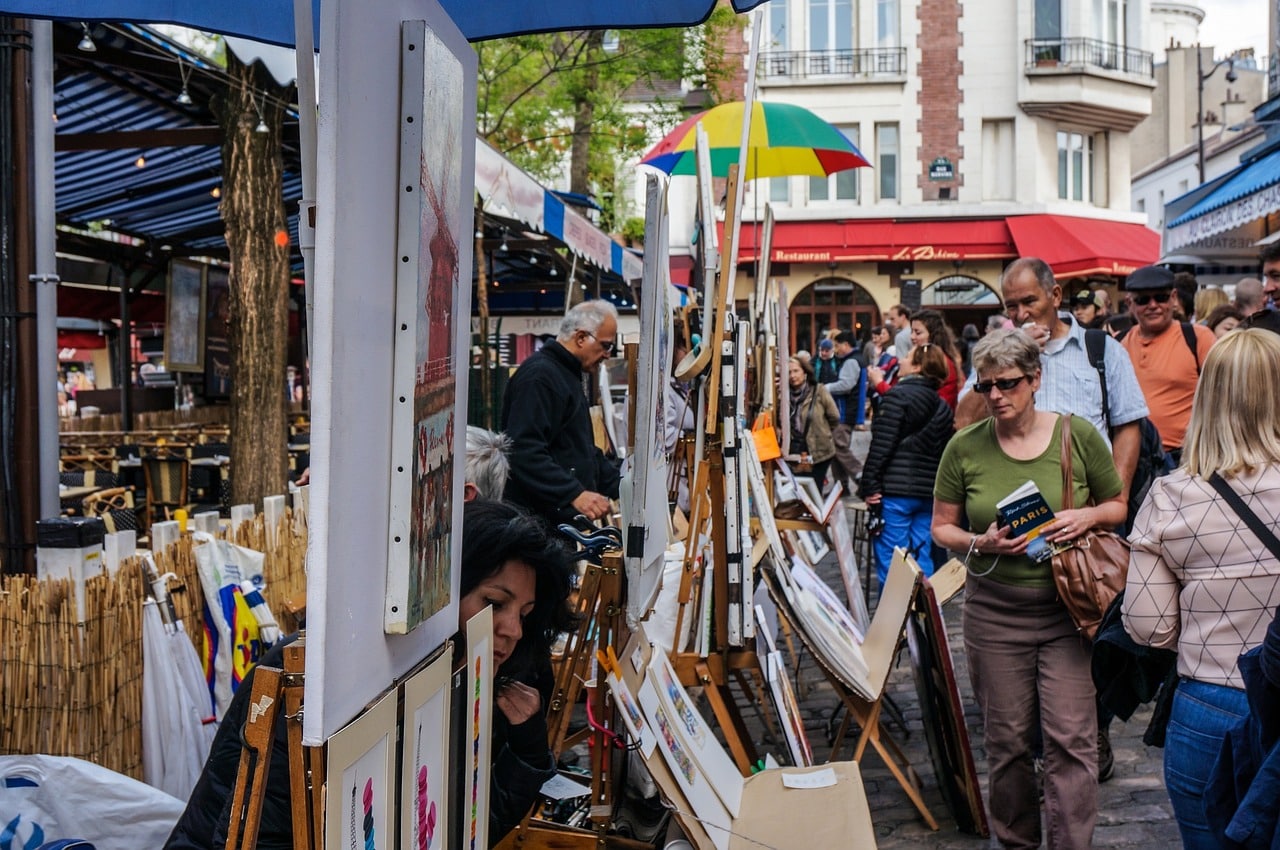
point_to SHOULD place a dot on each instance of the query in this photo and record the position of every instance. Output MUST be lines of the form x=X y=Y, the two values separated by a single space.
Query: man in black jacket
x=556 y=470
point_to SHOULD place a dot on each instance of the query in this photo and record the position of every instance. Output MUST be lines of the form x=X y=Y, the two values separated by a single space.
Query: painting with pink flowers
x=424 y=760
x=360 y=766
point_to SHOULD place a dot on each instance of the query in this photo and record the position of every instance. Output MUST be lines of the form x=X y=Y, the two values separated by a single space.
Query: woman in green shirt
x=1028 y=664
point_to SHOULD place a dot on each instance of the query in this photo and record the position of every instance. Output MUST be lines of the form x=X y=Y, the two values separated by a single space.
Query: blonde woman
x=1207 y=300
x=1199 y=580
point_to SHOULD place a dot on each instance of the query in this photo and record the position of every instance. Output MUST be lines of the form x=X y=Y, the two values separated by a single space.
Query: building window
x=1112 y=23
x=1048 y=21
x=830 y=25
x=1075 y=166
x=997 y=160
x=779 y=190
x=887 y=161
x=841 y=186
x=777 y=12
x=887 y=32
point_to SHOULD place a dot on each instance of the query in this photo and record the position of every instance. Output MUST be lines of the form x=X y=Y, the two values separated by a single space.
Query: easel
x=712 y=672
x=879 y=649
x=271 y=685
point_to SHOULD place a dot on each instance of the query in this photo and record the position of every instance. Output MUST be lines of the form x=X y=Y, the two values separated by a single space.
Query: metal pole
x=1199 y=113
x=45 y=277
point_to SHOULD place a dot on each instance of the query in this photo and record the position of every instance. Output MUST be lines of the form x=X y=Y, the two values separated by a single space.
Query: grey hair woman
x=1028 y=664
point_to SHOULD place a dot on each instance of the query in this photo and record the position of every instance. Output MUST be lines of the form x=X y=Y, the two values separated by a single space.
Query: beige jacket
x=1199 y=580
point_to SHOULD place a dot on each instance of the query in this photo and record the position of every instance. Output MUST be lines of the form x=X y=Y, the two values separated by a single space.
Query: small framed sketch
x=479 y=721
x=424 y=760
x=361 y=769
x=184 y=318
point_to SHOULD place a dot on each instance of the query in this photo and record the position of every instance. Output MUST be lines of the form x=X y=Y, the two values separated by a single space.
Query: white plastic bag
x=232 y=640
x=46 y=798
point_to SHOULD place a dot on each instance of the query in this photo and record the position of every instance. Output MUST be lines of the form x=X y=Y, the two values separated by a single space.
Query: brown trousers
x=1028 y=665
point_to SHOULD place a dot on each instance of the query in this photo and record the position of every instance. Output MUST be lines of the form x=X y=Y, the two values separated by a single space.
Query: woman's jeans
x=906 y=525
x=1202 y=713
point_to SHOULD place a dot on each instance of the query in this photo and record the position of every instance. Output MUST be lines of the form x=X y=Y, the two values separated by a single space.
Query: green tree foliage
x=586 y=100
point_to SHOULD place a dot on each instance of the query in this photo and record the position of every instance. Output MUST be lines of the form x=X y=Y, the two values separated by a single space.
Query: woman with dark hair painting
x=510 y=562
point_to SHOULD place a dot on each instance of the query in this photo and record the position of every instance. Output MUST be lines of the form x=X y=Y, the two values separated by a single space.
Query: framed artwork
x=479 y=720
x=217 y=348
x=644 y=488
x=428 y=390
x=361 y=765
x=185 y=318
x=942 y=709
x=783 y=697
x=689 y=778
x=424 y=759
x=700 y=742
x=842 y=542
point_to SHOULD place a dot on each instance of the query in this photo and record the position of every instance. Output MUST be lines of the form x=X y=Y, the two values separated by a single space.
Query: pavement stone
x=1134 y=811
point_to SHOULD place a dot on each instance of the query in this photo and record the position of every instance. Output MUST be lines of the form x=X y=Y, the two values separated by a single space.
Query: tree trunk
x=257 y=238
x=584 y=117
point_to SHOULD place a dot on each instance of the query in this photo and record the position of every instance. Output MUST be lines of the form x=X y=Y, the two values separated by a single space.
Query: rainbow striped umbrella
x=785 y=140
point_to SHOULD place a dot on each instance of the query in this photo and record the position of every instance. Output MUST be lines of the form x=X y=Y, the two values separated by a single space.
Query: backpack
x=1153 y=460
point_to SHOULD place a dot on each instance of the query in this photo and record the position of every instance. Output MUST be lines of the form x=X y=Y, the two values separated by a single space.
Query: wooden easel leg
x=728 y=720
x=306 y=767
x=255 y=760
x=873 y=732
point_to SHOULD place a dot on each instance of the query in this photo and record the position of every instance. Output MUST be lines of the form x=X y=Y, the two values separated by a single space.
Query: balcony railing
x=1084 y=53
x=801 y=64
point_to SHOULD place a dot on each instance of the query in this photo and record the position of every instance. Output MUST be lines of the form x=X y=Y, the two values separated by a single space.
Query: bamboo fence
x=73 y=688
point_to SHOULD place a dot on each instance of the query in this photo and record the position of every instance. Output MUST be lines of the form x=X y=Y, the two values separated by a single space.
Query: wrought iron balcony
x=1083 y=54
x=834 y=64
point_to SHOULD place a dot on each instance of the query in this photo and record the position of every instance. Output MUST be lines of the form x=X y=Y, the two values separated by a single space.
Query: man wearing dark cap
x=1086 y=306
x=850 y=393
x=826 y=367
x=1166 y=354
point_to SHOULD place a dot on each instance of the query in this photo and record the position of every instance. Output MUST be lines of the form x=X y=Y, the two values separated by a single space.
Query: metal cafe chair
x=166 y=479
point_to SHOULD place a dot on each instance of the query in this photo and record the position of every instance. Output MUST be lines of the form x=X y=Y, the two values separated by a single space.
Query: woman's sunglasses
x=1145 y=299
x=1003 y=384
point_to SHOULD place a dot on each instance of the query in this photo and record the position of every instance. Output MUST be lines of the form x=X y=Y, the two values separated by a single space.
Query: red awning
x=882 y=240
x=81 y=339
x=1074 y=246
x=85 y=303
x=681 y=269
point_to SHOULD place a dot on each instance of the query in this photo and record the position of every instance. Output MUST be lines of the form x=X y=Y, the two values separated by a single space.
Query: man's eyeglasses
x=606 y=344
x=1145 y=298
x=1003 y=384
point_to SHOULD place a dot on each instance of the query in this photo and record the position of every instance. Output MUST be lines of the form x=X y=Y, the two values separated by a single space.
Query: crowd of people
x=1173 y=434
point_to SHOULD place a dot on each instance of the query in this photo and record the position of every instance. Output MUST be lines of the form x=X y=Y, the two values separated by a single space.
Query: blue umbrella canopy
x=272 y=20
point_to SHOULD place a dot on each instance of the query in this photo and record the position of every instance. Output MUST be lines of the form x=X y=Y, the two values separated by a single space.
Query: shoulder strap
x=1189 y=334
x=1095 y=345
x=1068 y=484
x=1242 y=510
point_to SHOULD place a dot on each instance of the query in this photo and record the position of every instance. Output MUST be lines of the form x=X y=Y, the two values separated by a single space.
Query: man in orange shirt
x=1166 y=354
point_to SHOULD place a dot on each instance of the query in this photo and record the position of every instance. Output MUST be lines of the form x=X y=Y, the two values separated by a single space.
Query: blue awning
x=272 y=20
x=1250 y=192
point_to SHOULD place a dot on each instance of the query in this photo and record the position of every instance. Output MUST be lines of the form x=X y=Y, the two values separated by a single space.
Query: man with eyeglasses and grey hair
x=557 y=472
